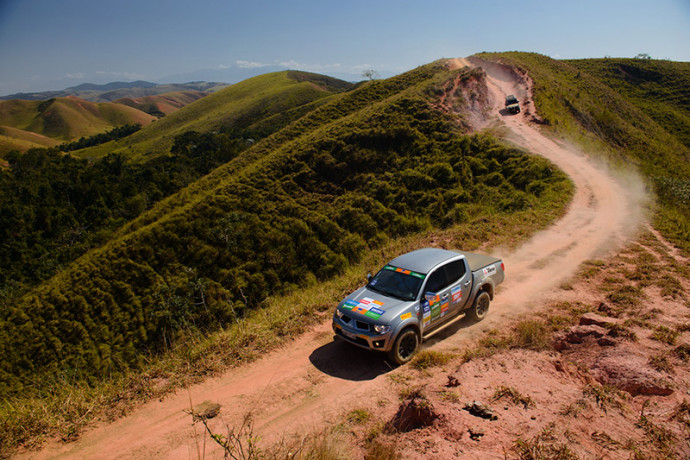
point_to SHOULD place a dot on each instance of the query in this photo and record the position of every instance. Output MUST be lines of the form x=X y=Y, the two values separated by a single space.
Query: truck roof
x=423 y=260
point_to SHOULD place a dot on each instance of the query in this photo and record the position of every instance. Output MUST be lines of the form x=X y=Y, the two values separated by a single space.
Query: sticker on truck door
x=456 y=292
x=426 y=313
x=435 y=305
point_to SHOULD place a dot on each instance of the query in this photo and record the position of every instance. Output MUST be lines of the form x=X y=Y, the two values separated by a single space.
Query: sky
x=54 y=44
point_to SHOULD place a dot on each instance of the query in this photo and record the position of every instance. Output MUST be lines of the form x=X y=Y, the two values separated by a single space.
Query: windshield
x=397 y=282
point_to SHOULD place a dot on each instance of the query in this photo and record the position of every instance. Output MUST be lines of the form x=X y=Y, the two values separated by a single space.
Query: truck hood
x=374 y=306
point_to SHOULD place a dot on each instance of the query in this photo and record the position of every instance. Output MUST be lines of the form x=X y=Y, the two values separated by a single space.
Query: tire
x=480 y=307
x=404 y=347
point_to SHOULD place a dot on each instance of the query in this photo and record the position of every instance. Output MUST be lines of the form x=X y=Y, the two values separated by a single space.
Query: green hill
x=163 y=104
x=20 y=140
x=62 y=119
x=263 y=104
x=636 y=109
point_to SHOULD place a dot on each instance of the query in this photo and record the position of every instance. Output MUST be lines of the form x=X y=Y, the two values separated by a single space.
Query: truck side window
x=445 y=275
x=437 y=281
x=454 y=271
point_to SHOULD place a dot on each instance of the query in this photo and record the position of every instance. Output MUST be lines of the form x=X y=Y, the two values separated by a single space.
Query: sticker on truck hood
x=366 y=306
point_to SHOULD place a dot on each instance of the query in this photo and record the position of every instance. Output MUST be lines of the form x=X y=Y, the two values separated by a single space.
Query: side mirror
x=369 y=277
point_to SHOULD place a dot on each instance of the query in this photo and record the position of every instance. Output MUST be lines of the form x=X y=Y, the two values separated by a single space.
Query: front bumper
x=361 y=338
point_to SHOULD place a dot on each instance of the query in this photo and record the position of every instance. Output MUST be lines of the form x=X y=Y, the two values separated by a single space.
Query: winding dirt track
x=314 y=380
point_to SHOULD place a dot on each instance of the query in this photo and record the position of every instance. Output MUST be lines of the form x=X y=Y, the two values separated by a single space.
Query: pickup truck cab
x=414 y=296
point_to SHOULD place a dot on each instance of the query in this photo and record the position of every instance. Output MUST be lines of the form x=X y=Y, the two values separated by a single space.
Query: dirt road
x=315 y=380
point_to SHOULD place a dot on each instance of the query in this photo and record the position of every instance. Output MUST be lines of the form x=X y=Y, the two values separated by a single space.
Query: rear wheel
x=481 y=307
x=404 y=347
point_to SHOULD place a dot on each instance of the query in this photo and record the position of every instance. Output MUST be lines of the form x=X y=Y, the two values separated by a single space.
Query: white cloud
x=292 y=64
x=224 y=66
x=124 y=75
x=75 y=76
x=250 y=64
x=35 y=77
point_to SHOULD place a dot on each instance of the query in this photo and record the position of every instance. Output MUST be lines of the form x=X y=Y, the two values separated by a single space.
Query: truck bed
x=478 y=261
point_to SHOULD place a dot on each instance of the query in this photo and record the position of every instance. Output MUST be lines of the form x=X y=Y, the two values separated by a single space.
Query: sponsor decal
x=435 y=311
x=407 y=315
x=445 y=305
x=435 y=305
x=349 y=305
x=433 y=299
x=456 y=292
x=488 y=271
x=416 y=308
x=404 y=271
x=366 y=306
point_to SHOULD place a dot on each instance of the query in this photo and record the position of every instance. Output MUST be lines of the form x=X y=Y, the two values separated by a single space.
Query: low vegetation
x=544 y=445
x=55 y=207
x=101 y=138
x=430 y=358
x=513 y=396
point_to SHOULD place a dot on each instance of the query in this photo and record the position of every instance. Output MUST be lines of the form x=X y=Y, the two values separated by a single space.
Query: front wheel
x=480 y=308
x=405 y=347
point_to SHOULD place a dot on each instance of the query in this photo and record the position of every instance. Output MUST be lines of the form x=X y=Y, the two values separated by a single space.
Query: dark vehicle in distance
x=512 y=104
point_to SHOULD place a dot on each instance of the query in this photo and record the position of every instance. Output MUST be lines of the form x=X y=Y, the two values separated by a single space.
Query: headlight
x=381 y=329
x=338 y=313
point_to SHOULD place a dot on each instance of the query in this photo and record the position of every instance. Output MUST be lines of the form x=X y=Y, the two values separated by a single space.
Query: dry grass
x=430 y=358
x=514 y=396
x=665 y=335
x=358 y=416
x=605 y=396
x=661 y=363
x=545 y=445
x=532 y=334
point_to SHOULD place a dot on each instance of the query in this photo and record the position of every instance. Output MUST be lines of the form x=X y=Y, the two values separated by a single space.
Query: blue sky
x=53 y=44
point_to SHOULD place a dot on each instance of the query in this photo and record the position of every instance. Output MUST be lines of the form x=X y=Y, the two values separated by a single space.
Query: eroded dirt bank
x=314 y=380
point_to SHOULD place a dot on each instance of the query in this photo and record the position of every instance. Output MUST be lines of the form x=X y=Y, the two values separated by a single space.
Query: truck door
x=445 y=292
x=460 y=283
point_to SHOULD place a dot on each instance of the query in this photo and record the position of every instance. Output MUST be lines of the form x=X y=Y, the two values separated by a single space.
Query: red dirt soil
x=313 y=381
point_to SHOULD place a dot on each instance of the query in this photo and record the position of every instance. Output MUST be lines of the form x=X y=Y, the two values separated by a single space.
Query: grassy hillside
x=370 y=165
x=62 y=119
x=20 y=140
x=287 y=95
x=661 y=89
x=163 y=104
x=638 y=109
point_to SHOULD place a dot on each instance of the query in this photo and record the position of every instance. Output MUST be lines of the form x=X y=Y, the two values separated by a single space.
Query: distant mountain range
x=117 y=90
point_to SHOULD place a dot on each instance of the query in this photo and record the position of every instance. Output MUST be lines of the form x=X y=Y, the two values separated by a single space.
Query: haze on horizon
x=48 y=45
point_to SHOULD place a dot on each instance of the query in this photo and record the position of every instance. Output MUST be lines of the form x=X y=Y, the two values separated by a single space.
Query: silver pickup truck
x=415 y=296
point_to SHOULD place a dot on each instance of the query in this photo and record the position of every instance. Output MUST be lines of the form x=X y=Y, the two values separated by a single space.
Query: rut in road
x=313 y=380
